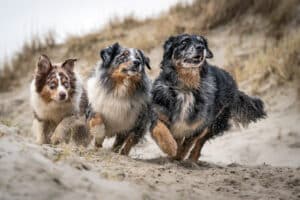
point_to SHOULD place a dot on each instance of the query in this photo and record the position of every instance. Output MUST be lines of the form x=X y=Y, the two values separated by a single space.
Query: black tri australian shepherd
x=195 y=99
x=120 y=101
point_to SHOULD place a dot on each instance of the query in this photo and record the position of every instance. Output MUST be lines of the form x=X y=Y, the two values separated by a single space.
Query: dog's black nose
x=62 y=95
x=199 y=47
x=135 y=66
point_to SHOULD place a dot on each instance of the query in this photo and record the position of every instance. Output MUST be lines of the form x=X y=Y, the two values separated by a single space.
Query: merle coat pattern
x=195 y=99
x=120 y=100
x=56 y=93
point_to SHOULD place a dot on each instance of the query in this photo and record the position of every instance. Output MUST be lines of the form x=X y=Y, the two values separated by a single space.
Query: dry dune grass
x=200 y=17
x=280 y=62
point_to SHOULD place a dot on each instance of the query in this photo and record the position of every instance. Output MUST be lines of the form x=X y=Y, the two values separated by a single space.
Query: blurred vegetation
x=23 y=62
x=280 y=62
x=201 y=17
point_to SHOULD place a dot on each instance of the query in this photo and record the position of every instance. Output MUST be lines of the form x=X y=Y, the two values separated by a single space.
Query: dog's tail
x=247 y=109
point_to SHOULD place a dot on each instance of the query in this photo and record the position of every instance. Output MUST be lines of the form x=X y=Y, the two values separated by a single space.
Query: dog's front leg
x=97 y=129
x=130 y=141
x=163 y=137
x=184 y=145
x=119 y=141
x=62 y=132
x=199 y=142
x=39 y=129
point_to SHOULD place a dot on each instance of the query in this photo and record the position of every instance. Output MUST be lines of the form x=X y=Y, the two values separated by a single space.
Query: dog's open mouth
x=194 y=60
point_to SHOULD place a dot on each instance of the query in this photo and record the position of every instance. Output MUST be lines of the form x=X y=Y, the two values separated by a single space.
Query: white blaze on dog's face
x=61 y=93
x=187 y=50
x=123 y=69
x=55 y=82
x=129 y=61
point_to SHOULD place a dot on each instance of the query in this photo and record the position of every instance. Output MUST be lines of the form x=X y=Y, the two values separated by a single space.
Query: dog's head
x=55 y=82
x=186 y=51
x=123 y=66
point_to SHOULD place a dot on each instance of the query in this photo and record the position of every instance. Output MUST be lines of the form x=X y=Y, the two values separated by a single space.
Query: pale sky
x=21 y=19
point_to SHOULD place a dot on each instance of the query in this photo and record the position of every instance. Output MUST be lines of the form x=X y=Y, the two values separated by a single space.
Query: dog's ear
x=168 y=45
x=146 y=60
x=168 y=51
x=209 y=53
x=109 y=53
x=44 y=64
x=69 y=64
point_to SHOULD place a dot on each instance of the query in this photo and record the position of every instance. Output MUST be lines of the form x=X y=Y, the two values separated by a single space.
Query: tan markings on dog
x=198 y=144
x=185 y=147
x=124 y=83
x=97 y=129
x=179 y=148
x=47 y=94
x=128 y=144
x=95 y=121
x=118 y=75
x=197 y=124
x=183 y=129
x=65 y=77
x=134 y=81
x=164 y=139
x=163 y=118
x=190 y=77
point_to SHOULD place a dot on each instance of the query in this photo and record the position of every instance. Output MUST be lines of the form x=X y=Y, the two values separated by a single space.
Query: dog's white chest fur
x=180 y=128
x=119 y=113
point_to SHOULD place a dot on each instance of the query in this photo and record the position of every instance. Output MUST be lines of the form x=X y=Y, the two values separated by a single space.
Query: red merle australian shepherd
x=56 y=93
x=196 y=100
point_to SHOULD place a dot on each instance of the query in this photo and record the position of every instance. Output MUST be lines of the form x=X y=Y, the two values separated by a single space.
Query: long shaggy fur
x=247 y=109
x=193 y=95
x=119 y=93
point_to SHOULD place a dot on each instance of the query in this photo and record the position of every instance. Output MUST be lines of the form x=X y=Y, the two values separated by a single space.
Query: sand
x=258 y=162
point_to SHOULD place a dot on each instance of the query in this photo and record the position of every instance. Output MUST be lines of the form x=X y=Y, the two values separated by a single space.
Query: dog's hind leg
x=130 y=141
x=198 y=144
x=119 y=141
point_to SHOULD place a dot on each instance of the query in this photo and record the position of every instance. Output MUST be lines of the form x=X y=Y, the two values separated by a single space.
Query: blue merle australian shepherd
x=120 y=101
x=196 y=100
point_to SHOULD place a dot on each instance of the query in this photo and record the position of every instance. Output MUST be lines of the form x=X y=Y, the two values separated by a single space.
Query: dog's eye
x=66 y=84
x=184 y=43
x=126 y=53
x=136 y=63
x=52 y=86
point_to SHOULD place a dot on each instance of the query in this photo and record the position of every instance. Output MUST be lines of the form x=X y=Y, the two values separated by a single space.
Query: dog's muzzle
x=197 y=58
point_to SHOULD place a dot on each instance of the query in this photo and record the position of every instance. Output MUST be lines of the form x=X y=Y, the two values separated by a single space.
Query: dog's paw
x=99 y=134
x=97 y=129
x=55 y=140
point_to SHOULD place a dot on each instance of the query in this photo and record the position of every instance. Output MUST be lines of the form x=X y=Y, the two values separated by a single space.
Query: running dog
x=120 y=101
x=195 y=99
x=56 y=93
